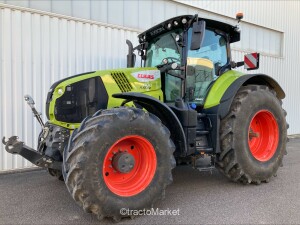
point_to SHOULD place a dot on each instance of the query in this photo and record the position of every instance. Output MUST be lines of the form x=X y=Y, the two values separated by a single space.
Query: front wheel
x=118 y=158
x=253 y=136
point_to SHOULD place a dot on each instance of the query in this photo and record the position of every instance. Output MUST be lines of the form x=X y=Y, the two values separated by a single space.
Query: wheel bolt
x=253 y=134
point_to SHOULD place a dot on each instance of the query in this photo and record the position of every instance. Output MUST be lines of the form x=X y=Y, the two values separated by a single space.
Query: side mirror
x=131 y=57
x=251 y=61
x=198 y=32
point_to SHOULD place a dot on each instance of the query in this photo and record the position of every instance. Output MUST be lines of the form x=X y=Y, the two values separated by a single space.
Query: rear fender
x=232 y=90
x=218 y=112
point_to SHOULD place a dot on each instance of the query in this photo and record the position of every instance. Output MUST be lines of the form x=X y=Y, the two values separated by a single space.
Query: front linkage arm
x=13 y=146
x=37 y=115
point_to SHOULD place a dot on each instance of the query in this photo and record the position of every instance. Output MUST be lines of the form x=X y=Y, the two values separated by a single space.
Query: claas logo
x=146 y=76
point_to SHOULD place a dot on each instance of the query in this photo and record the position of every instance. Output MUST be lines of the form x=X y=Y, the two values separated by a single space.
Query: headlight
x=60 y=91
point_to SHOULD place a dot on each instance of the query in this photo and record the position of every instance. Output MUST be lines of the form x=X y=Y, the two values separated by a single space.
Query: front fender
x=164 y=113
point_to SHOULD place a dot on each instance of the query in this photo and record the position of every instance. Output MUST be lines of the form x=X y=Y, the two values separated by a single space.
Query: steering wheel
x=172 y=59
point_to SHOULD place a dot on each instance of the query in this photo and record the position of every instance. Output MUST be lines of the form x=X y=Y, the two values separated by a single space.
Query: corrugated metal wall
x=38 y=48
x=138 y=14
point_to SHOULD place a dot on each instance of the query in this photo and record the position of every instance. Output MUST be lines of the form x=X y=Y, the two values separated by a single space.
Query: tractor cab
x=190 y=52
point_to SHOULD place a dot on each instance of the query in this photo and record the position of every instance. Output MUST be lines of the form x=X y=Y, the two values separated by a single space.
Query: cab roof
x=232 y=31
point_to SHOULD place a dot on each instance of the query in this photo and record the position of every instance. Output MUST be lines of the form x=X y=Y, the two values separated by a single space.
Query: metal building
x=42 y=41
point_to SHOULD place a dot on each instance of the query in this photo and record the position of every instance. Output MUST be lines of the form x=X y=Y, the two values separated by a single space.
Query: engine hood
x=88 y=92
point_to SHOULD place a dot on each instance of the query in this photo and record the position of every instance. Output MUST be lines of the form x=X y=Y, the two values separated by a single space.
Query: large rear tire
x=253 y=136
x=118 y=158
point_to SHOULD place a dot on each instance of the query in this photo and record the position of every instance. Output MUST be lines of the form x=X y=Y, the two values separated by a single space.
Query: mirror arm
x=195 y=18
x=236 y=64
x=239 y=64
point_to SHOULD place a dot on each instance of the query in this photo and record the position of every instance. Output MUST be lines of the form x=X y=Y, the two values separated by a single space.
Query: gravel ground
x=36 y=198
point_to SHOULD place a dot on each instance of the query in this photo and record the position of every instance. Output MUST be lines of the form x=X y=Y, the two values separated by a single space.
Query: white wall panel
x=115 y=12
x=260 y=39
x=39 y=49
x=40 y=4
x=64 y=7
x=99 y=10
x=131 y=6
x=159 y=8
x=81 y=8
x=138 y=14
x=24 y=3
x=145 y=10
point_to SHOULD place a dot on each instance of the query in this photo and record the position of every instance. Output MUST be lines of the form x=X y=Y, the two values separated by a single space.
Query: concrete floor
x=37 y=198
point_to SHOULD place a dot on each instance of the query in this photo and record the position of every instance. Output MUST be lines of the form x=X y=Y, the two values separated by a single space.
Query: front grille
x=81 y=99
x=122 y=81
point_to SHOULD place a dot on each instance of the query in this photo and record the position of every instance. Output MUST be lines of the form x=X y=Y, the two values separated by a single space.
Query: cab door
x=203 y=65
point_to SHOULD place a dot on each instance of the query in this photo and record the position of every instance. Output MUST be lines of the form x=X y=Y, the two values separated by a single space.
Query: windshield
x=164 y=46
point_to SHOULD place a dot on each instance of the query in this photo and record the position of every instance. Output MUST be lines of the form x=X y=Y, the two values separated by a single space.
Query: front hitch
x=13 y=146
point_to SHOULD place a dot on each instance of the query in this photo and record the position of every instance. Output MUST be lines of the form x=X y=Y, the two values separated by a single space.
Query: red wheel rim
x=142 y=172
x=263 y=135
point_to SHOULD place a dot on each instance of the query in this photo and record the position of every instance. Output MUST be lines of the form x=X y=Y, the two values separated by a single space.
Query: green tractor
x=114 y=136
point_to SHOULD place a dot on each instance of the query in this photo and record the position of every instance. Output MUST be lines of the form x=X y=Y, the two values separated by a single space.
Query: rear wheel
x=253 y=136
x=118 y=158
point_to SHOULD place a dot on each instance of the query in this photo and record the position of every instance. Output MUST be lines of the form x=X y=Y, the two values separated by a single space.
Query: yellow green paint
x=219 y=87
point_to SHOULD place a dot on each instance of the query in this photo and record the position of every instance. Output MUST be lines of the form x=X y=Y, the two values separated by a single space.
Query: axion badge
x=147 y=75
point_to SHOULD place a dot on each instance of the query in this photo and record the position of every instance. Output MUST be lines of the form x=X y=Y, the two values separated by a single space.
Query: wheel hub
x=253 y=134
x=123 y=162
x=129 y=165
x=263 y=135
